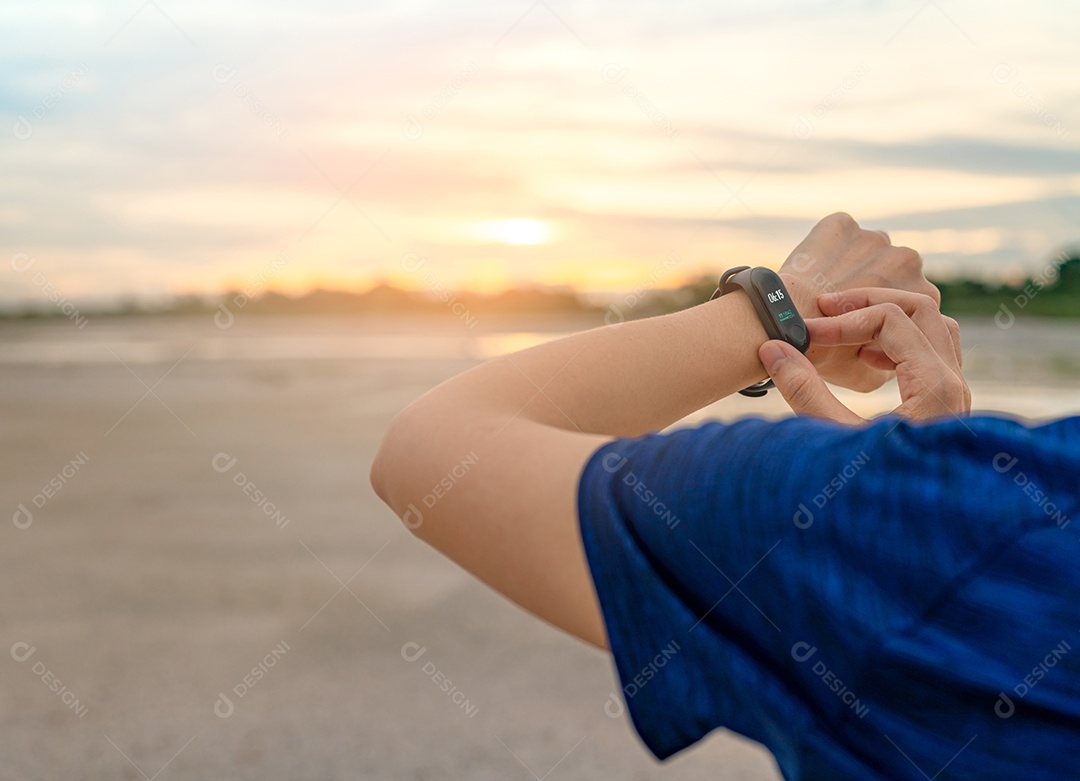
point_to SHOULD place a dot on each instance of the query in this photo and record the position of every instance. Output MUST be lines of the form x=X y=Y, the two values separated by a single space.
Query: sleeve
x=746 y=571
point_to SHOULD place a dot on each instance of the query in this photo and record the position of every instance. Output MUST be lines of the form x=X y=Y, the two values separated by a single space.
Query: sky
x=158 y=148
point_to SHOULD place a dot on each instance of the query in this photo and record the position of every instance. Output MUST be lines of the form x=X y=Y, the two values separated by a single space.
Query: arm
x=519 y=429
x=485 y=467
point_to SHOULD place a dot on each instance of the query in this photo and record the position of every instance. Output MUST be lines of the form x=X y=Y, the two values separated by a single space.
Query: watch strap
x=741 y=277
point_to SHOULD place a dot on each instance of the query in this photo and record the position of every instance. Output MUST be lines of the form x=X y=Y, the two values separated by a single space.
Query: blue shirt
x=891 y=602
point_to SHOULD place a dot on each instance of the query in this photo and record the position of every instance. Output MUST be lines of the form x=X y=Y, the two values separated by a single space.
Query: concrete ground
x=210 y=589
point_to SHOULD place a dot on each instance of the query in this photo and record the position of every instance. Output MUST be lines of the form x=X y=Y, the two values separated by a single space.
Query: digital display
x=779 y=307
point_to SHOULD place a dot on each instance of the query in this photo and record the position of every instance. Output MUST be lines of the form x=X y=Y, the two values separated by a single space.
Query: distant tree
x=1068 y=280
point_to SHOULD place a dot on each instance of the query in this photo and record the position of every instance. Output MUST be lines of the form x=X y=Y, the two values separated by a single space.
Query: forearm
x=622 y=380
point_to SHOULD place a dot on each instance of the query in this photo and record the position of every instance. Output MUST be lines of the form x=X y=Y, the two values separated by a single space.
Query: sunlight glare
x=517 y=231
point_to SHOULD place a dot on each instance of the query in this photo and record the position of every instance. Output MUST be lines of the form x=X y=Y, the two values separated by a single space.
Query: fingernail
x=772 y=355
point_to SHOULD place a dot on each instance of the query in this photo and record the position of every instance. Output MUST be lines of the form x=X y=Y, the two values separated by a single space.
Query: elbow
x=417 y=445
x=377 y=475
x=382 y=473
x=390 y=473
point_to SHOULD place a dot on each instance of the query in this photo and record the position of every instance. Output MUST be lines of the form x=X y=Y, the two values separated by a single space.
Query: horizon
x=646 y=296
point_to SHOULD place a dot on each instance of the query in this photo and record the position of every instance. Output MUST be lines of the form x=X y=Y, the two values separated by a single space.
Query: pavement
x=201 y=527
x=199 y=582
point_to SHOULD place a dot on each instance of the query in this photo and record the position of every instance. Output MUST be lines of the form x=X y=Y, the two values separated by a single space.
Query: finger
x=874 y=357
x=885 y=325
x=926 y=395
x=801 y=385
x=954 y=332
x=928 y=385
x=923 y=311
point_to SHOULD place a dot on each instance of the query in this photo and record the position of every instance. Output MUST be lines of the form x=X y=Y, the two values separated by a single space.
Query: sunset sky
x=153 y=148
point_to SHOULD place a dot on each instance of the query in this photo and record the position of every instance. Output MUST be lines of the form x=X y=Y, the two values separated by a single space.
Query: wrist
x=803 y=293
x=733 y=320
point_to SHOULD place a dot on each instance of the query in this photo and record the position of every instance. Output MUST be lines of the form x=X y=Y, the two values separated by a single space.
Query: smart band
x=774 y=308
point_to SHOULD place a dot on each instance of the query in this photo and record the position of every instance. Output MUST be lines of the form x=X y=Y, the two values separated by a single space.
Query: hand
x=838 y=255
x=912 y=337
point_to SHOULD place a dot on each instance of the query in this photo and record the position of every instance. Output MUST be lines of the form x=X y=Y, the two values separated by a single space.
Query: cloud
x=970 y=155
x=200 y=161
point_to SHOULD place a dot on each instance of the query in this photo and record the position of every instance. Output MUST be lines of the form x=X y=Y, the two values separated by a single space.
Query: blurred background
x=236 y=238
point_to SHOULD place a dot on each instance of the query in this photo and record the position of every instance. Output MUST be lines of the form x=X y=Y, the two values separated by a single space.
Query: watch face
x=781 y=308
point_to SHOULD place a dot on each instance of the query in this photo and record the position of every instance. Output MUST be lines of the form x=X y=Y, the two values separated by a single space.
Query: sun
x=516 y=231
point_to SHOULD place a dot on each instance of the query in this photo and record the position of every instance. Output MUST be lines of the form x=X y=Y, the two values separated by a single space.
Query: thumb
x=801 y=385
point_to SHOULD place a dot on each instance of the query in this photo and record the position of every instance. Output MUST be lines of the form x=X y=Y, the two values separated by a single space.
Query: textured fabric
x=892 y=602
